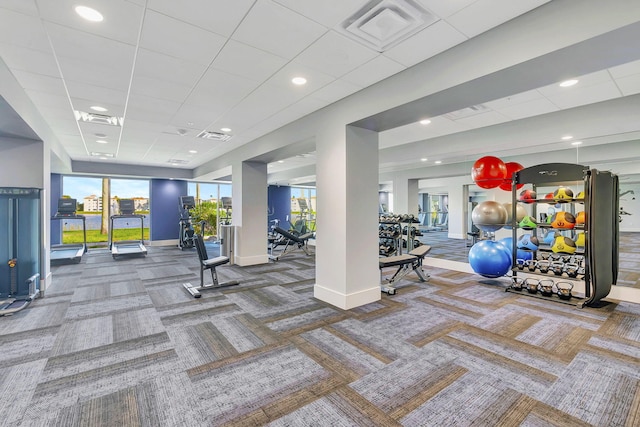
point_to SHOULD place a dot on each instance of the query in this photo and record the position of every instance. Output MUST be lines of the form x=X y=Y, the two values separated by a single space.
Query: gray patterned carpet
x=121 y=343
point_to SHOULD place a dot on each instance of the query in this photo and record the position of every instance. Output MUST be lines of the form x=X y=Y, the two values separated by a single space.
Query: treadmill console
x=127 y=207
x=66 y=207
x=187 y=202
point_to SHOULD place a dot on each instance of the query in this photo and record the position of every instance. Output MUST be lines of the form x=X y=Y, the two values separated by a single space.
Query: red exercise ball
x=488 y=172
x=512 y=167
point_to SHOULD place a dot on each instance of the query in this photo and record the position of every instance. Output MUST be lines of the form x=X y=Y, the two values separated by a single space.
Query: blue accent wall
x=165 y=198
x=56 y=193
x=279 y=205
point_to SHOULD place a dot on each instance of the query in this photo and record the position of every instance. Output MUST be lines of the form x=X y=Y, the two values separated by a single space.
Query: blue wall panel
x=165 y=198
x=279 y=205
x=56 y=193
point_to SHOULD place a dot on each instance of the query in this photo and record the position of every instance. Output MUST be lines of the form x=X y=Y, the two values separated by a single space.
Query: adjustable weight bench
x=291 y=242
x=406 y=263
x=207 y=263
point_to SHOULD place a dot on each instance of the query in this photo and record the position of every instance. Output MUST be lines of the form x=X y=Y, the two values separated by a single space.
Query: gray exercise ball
x=521 y=212
x=489 y=216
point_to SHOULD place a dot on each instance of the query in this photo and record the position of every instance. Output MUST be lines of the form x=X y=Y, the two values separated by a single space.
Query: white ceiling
x=173 y=69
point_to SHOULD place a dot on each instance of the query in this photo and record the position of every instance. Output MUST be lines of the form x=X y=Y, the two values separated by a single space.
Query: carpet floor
x=121 y=343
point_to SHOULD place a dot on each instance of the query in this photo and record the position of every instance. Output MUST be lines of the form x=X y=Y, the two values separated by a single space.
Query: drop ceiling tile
x=93 y=131
x=483 y=15
x=121 y=19
x=145 y=108
x=427 y=43
x=335 y=55
x=40 y=83
x=315 y=79
x=335 y=91
x=19 y=58
x=196 y=116
x=625 y=70
x=27 y=7
x=482 y=120
x=515 y=99
x=379 y=68
x=23 y=30
x=221 y=90
x=444 y=9
x=276 y=29
x=219 y=16
x=164 y=67
x=172 y=37
x=530 y=108
x=111 y=77
x=584 y=82
x=84 y=95
x=49 y=100
x=588 y=95
x=629 y=85
x=246 y=61
x=329 y=13
x=171 y=91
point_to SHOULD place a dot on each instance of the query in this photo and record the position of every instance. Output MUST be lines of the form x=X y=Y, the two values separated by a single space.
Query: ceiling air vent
x=216 y=136
x=96 y=154
x=467 y=112
x=101 y=119
x=382 y=24
x=177 y=161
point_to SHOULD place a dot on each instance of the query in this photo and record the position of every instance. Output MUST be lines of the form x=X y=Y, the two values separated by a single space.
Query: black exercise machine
x=207 y=263
x=187 y=232
x=290 y=241
x=406 y=263
x=127 y=247
x=69 y=252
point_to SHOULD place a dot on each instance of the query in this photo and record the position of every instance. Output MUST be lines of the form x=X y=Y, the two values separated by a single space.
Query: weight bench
x=406 y=263
x=291 y=242
x=207 y=263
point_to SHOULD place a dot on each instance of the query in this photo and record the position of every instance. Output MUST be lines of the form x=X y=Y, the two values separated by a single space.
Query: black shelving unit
x=596 y=263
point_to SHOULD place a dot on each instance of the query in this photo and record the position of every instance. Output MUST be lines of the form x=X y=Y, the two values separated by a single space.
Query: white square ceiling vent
x=381 y=24
x=96 y=154
x=216 y=136
x=101 y=119
x=177 y=161
x=474 y=110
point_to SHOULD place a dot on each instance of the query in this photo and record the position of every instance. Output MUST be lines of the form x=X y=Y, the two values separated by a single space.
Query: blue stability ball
x=525 y=255
x=489 y=259
x=507 y=242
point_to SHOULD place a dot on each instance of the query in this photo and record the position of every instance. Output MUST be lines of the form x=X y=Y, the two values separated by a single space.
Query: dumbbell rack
x=597 y=262
x=390 y=232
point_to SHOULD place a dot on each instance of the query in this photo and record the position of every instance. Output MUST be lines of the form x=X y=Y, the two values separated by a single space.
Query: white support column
x=405 y=196
x=347 y=273
x=458 y=199
x=249 y=214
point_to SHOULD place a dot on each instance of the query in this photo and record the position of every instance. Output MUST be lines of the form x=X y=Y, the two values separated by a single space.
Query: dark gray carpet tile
x=136 y=324
x=97 y=357
x=34 y=317
x=194 y=316
x=83 y=334
x=382 y=345
x=305 y=319
x=164 y=271
x=53 y=298
x=269 y=301
x=106 y=379
x=168 y=308
x=598 y=390
x=64 y=284
x=339 y=355
x=108 y=306
x=258 y=382
x=113 y=269
x=17 y=385
x=25 y=347
x=150 y=404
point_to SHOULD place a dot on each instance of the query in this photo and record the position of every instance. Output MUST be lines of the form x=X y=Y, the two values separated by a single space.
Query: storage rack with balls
x=566 y=248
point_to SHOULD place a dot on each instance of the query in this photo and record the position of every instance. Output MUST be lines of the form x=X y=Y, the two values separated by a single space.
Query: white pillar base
x=345 y=301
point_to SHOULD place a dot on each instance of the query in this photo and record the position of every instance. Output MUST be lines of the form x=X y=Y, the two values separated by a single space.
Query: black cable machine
x=187 y=232
x=127 y=247
x=69 y=252
x=20 y=247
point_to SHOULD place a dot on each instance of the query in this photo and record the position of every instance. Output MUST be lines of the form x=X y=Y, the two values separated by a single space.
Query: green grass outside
x=94 y=236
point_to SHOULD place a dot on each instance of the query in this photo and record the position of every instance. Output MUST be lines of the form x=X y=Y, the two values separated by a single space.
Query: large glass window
x=213 y=205
x=303 y=208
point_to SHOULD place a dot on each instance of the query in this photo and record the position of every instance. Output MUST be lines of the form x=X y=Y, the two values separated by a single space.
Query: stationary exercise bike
x=187 y=231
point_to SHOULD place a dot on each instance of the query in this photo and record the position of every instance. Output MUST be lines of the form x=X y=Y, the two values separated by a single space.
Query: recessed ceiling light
x=567 y=137
x=98 y=108
x=425 y=122
x=89 y=14
x=280 y=161
x=100 y=135
x=225 y=129
x=576 y=143
x=189 y=123
x=437 y=162
x=193 y=151
x=424 y=159
x=102 y=141
x=298 y=81
x=568 y=83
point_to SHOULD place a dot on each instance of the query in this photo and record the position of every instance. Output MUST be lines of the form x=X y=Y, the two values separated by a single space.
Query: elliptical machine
x=187 y=231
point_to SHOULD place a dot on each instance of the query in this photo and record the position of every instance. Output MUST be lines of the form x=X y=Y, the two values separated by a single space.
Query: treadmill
x=127 y=247
x=69 y=253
